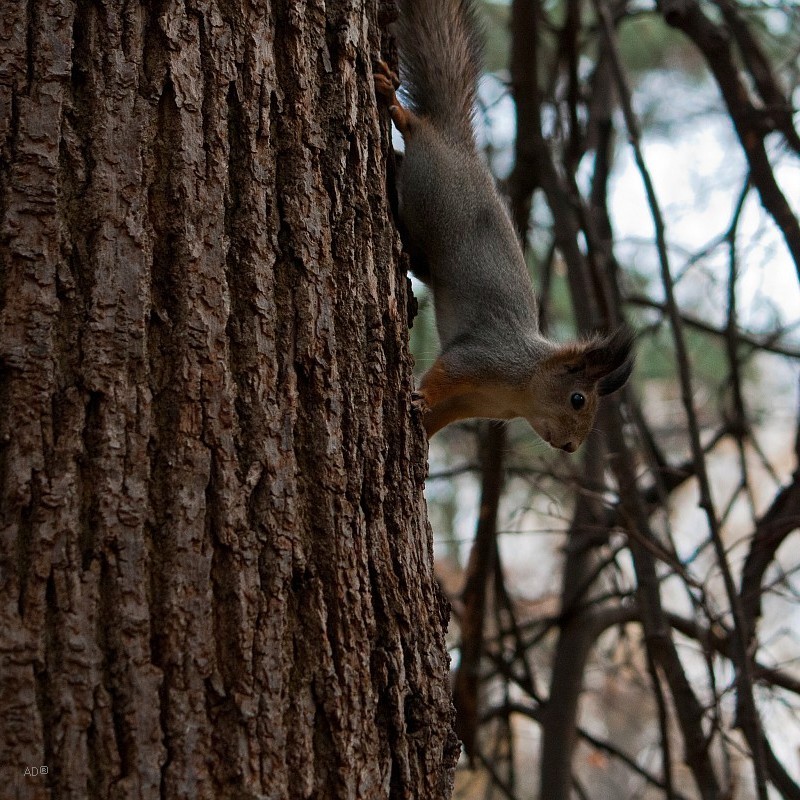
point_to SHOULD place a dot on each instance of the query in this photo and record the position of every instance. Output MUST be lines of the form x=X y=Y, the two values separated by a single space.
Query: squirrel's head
x=569 y=383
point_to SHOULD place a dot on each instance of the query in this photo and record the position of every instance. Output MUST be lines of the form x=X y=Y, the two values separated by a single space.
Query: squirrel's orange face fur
x=567 y=387
x=564 y=405
x=559 y=400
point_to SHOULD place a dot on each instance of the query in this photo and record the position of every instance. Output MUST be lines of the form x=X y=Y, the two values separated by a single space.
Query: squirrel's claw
x=384 y=86
x=419 y=403
x=382 y=68
x=386 y=82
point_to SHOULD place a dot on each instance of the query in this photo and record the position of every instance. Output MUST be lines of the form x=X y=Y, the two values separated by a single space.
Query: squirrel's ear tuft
x=609 y=360
x=616 y=379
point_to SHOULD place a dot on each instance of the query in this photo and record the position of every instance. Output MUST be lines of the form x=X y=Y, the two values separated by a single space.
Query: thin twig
x=748 y=713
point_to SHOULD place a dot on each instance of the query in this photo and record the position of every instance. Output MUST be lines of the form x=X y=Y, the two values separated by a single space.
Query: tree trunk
x=216 y=571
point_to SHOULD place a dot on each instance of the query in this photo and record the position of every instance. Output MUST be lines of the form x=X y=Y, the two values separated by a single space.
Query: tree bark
x=215 y=567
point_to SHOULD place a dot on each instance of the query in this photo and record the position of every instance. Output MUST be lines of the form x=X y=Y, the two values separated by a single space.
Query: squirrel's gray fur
x=494 y=362
x=449 y=204
x=441 y=60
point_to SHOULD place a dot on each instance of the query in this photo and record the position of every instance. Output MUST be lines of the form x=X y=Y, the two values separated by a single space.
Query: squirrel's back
x=440 y=62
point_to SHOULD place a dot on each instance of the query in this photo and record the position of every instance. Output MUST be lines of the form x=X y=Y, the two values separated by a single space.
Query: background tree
x=215 y=571
x=646 y=673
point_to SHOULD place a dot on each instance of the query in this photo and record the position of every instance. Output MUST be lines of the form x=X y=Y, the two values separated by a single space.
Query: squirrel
x=494 y=361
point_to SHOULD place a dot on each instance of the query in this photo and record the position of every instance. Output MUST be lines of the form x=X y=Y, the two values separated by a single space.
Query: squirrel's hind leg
x=386 y=82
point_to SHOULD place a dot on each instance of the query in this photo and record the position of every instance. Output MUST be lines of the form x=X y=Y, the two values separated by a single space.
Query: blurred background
x=625 y=621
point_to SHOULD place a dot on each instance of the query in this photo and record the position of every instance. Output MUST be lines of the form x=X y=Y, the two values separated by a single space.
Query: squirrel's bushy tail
x=441 y=51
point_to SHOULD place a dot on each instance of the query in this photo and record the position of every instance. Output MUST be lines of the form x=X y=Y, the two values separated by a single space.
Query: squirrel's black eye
x=578 y=400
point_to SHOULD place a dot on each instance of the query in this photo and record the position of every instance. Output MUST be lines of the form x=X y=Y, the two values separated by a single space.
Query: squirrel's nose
x=570 y=447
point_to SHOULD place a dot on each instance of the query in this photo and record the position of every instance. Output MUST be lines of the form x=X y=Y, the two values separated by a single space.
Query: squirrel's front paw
x=420 y=403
